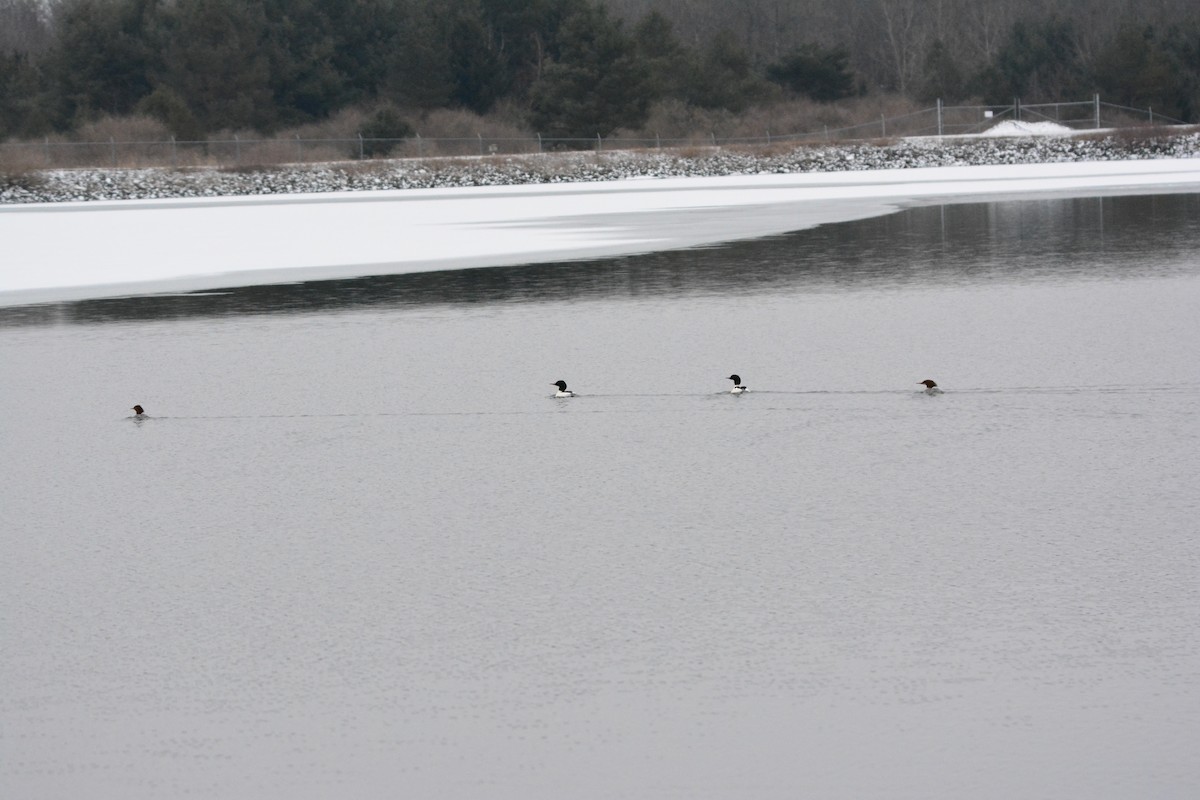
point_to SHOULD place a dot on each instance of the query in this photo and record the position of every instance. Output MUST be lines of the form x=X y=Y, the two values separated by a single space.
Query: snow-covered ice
x=95 y=249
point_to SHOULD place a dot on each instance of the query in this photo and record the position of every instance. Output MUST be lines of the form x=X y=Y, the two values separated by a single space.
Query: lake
x=358 y=550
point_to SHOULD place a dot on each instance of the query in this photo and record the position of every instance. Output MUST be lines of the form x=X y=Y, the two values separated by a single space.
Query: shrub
x=383 y=130
x=166 y=106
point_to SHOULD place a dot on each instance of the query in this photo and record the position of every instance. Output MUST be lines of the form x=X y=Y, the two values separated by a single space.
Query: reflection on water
x=1070 y=239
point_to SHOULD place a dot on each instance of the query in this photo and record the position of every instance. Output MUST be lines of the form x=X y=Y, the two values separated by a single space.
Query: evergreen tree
x=1038 y=61
x=595 y=85
x=305 y=83
x=23 y=110
x=941 y=77
x=419 y=72
x=823 y=75
x=663 y=57
x=1136 y=69
x=202 y=65
x=365 y=33
x=215 y=57
x=721 y=77
x=525 y=35
x=477 y=72
x=1183 y=45
x=101 y=61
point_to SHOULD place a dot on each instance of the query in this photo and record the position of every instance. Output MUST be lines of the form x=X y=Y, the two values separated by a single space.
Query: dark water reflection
x=1016 y=241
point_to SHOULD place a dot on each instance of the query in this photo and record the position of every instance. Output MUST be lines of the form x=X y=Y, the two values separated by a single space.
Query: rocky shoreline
x=77 y=185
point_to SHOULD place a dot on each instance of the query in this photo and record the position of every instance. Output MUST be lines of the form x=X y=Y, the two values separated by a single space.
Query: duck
x=138 y=412
x=563 y=391
x=931 y=388
x=737 y=384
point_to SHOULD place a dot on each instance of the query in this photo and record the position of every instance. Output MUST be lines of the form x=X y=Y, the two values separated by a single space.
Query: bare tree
x=24 y=26
x=903 y=40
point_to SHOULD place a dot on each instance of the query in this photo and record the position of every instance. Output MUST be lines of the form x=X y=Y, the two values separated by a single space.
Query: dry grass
x=675 y=123
x=21 y=159
x=139 y=141
x=120 y=142
x=237 y=148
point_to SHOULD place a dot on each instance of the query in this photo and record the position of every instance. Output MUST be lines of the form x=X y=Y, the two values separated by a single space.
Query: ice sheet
x=95 y=249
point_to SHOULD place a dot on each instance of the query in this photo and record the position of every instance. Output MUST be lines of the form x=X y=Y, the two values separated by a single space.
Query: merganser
x=563 y=391
x=737 y=384
x=138 y=412
x=931 y=387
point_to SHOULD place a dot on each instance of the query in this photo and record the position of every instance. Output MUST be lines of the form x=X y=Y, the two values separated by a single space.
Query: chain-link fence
x=939 y=120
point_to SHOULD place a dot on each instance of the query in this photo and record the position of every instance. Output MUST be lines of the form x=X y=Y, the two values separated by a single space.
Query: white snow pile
x=1011 y=127
x=998 y=149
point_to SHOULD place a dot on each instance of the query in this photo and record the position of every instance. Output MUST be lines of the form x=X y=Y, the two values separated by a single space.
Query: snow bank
x=101 y=184
x=1010 y=127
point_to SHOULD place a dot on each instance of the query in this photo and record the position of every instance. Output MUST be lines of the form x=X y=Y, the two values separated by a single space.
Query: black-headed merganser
x=931 y=387
x=138 y=412
x=563 y=391
x=737 y=384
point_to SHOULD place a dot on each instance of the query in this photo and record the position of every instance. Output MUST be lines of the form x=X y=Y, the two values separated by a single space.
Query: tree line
x=571 y=68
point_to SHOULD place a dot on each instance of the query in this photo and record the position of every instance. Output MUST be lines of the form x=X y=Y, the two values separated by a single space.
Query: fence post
x=174 y=154
x=1096 y=101
x=768 y=137
x=882 y=127
x=939 y=113
x=657 y=141
x=360 y=146
x=299 y=148
x=1017 y=109
x=599 y=143
x=1151 y=110
x=46 y=150
x=420 y=146
x=237 y=148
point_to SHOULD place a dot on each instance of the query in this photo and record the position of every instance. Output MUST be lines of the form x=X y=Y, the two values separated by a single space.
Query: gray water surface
x=359 y=551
